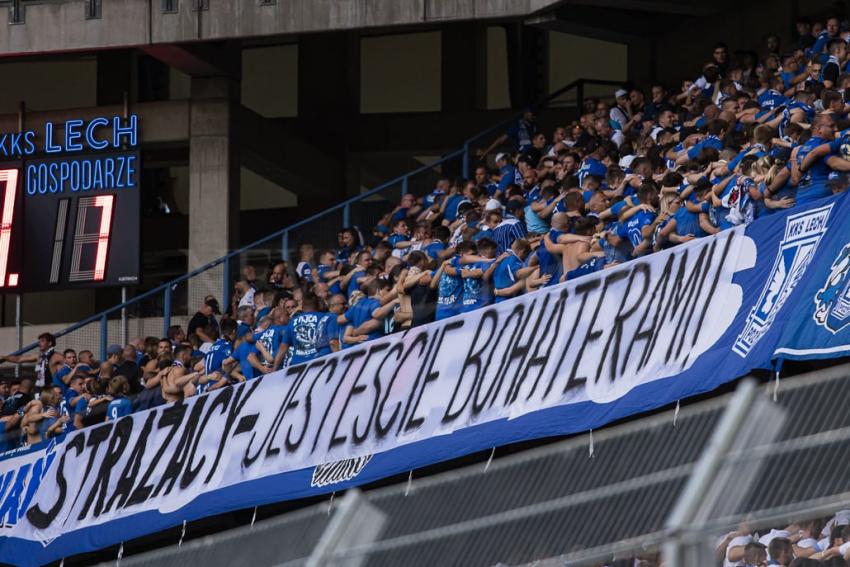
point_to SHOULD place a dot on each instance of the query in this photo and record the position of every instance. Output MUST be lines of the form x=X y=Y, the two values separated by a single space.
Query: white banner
x=594 y=339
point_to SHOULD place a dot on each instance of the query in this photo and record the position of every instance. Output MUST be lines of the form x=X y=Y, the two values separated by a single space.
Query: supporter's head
x=350 y=238
x=118 y=386
x=503 y=159
x=309 y=302
x=364 y=259
x=4 y=389
x=584 y=227
x=591 y=183
x=106 y=370
x=249 y=273
x=49 y=397
x=602 y=127
x=482 y=176
x=466 y=247
x=833 y=101
x=833 y=26
x=442 y=233
x=720 y=55
x=77 y=384
x=598 y=203
x=755 y=553
x=322 y=291
x=401 y=228
x=26 y=386
x=114 y=354
x=561 y=222
x=804 y=26
x=86 y=357
x=559 y=135
x=70 y=357
x=648 y=193
x=128 y=353
x=46 y=341
x=823 y=126
x=245 y=314
x=183 y=354
x=305 y=252
x=227 y=329
x=337 y=304
x=163 y=348
x=377 y=287
x=176 y=334
x=781 y=550
x=487 y=247
x=539 y=141
x=276 y=274
x=529 y=179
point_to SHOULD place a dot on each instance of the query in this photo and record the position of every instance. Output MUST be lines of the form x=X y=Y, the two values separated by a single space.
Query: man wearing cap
x=620 y=115
x=507 y=171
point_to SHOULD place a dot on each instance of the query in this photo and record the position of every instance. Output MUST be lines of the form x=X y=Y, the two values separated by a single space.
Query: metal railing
x=173 y=300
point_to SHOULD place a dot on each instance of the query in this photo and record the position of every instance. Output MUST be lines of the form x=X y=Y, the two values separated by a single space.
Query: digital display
x=67 y=225
x=70 y=205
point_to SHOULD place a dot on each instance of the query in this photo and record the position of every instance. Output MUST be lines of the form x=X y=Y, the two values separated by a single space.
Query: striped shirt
x=505 y=233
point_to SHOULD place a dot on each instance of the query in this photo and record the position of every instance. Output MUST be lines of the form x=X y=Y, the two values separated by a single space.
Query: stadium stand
x=652 y=168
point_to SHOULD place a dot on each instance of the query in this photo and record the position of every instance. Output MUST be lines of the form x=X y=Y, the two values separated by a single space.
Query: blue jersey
x=632 y=228
x=593 y=265
x=270 y=338
x=353 y=285
x=433 y=250
x=58 y=378
x=119 y=407
x=550 y=263
x=394 y=239
x=688 y=222
x=709 y=141
x=770 y=99
x=505 y=274
x=475 y=290
x=361 y=312
x=308 y=336
x=218 y=353
x=591 y=166
x=241 y=353
x=507 y=176
x=321 y=269
x=449 y=292
x=242 y=330
x=452 y=203
x=812 y=185
x=435 y=197
x=304 y=271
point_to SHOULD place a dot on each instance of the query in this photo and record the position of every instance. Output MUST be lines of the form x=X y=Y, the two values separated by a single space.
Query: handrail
x=284 y=232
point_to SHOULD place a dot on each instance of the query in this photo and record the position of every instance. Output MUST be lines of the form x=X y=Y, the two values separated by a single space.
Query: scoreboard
x=72 y=219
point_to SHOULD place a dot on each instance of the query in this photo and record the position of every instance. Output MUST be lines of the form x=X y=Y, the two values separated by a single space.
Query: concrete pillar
x=464 y=65
x=329 y=103
x=528 y=50
x=213 y=183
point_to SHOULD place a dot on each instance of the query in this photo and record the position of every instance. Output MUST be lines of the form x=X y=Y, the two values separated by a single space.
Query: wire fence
x=668 y=486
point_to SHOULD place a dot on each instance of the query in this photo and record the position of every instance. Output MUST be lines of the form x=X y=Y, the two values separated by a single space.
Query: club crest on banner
x=832 y=302
x=803 y=233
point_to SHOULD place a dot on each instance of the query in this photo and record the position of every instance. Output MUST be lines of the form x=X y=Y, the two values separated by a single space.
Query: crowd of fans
x=746 y=137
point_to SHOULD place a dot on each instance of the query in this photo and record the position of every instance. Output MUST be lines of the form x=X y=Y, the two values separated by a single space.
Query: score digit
x=9 y=179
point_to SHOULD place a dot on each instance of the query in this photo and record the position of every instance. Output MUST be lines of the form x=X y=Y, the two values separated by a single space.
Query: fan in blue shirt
x=477 y=287
x=366 y=317
x=511 y=269
x=449 y=285
x=308 y=333
x=818 y=157
x=120 y=405
x=219 y=360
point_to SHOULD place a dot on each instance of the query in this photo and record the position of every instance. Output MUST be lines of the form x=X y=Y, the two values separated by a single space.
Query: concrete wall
x=400 y=73
x=62 y=25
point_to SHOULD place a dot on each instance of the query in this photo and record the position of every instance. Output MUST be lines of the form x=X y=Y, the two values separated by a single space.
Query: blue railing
x=284 y=234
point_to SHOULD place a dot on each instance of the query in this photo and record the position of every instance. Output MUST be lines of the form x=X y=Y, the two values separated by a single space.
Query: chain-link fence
x=668 y=486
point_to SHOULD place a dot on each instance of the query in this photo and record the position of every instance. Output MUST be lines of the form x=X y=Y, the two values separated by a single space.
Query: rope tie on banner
x=490 y=460
x=409 y=482
x=590 y=447
x=254 y=518
x=676 y=413
x=331 y=502
x=777 y=368
x=120 y=554
x=776 y=387
x=62 y=563
x=182 y=534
